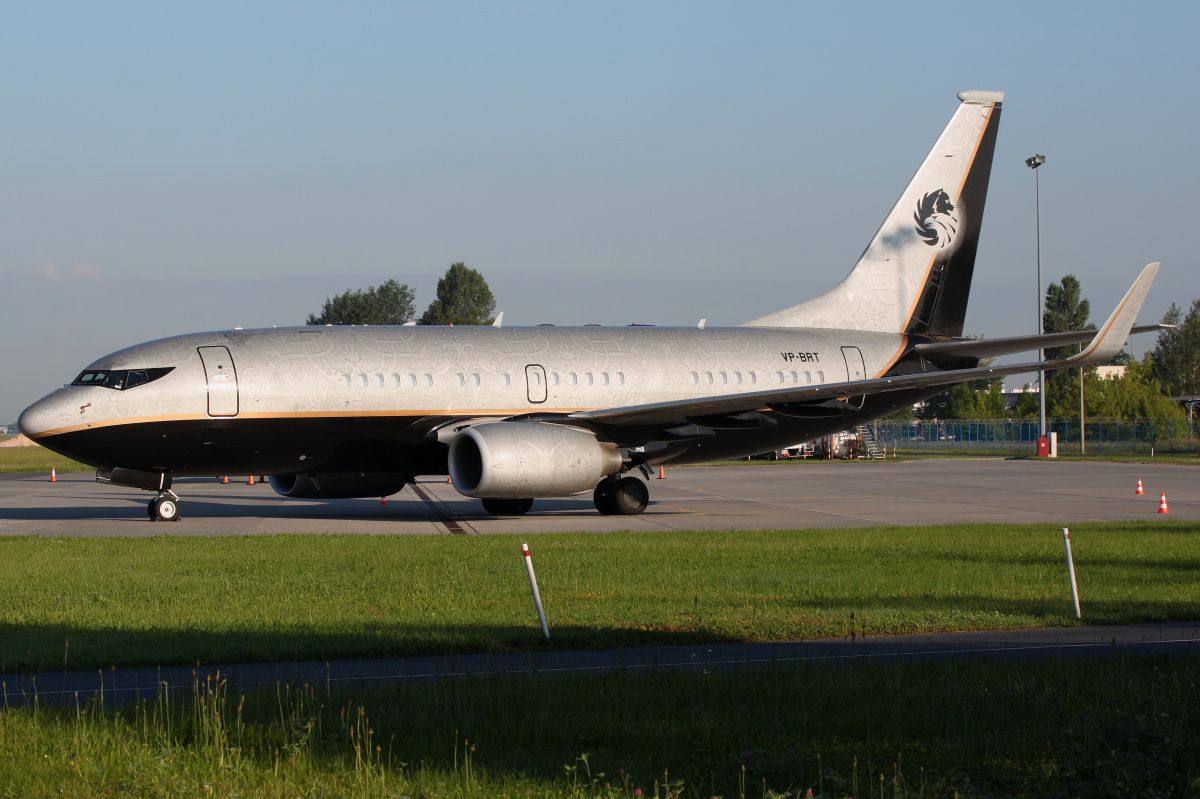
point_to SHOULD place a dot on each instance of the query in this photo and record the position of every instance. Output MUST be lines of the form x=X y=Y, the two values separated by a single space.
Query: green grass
x=1114 y=728
x=36 y=459
x=99 y=602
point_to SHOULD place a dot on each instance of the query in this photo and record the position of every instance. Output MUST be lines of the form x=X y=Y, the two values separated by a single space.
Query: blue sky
x=171 y=167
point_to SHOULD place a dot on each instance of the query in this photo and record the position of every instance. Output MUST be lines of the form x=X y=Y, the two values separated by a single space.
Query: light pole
x=1033 y=163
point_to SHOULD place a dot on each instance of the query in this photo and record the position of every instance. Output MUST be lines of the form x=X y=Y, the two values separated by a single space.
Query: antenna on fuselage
x=499 y=320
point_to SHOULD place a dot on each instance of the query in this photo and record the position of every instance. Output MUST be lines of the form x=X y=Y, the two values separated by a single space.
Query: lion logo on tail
x=936 y=222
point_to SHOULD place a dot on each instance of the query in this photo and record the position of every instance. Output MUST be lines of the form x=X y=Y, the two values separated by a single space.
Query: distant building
x=1110 y=372
x=1011 y=395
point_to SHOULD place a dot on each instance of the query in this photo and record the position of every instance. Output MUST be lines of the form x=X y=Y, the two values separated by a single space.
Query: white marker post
x=537 y=597
x=1070 y=570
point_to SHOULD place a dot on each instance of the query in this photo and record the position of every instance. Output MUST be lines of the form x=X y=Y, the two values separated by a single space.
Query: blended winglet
x=1109 y=340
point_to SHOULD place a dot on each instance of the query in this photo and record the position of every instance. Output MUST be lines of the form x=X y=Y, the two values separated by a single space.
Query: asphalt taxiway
x=1074 y=643
x=802 y=495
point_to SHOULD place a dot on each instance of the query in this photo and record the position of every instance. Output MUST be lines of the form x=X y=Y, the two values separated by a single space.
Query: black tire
x=603 y=498
x=629 y=496
x=507 y=507
x=166 y=510
x=150 y=510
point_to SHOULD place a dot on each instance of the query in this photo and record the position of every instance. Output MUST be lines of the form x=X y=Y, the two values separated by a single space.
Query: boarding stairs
x=870 y=443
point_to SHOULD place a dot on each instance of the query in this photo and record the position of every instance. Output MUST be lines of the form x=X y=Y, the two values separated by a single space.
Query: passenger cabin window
x=820 y=377
x=695 y=378
x=574 y=379
x=363 y=379
x=507 y=379
x=708 y=377
x=476 y=377
x=724 y=377
x=396 y=381
x=795 y=378
x=753 y=378
x=462 y=381
x=808 y=377
x=412 y=379
x=591 y=378
x=346 y=380
x=555 y=376
x=621 y=378
x=780 y=376
x=428 y=379
x=379 y=380
x=121 y=379
x=737 y=377
x=605 y=376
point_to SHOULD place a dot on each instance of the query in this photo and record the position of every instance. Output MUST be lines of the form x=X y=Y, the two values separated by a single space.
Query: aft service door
x=856 y=369
x=222 y=381
x=535 y=377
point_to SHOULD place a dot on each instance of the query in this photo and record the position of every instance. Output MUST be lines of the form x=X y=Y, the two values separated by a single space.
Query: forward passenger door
x=222 y=381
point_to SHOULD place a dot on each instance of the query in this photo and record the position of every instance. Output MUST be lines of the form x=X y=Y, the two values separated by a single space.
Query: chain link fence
x=1100 y=436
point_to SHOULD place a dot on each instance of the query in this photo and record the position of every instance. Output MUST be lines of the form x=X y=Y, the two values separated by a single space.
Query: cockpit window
x=122 y=379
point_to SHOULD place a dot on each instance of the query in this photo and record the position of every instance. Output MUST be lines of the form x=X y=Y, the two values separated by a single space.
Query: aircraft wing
x=991 y=347
x=1105 y=343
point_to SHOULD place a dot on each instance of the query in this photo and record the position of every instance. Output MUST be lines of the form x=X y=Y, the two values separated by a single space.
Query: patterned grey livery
x=518 y=413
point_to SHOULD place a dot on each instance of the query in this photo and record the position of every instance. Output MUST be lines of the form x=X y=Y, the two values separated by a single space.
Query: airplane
x=514 y=414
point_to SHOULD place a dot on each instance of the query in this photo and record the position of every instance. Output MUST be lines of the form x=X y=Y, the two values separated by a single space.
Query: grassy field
x=99 y=602
x=1109 y=728
x=36 y=459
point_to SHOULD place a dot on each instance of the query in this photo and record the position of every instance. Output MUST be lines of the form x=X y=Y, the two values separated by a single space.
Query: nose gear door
x=222 y=381
x=535 y=379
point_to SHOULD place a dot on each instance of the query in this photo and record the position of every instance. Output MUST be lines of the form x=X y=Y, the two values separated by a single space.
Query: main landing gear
x=624 y=496
x=164 y=507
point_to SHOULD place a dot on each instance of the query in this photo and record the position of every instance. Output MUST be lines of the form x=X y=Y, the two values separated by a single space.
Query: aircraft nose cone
x=42 y=416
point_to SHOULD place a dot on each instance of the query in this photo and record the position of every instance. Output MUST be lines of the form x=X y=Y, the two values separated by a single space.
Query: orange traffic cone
x=53 y=475
x=1139 y=488
x=662 y=473
x=449 y=481
x=225 y=479
x=383 y=500
x=1162 y=504
x=250 y=480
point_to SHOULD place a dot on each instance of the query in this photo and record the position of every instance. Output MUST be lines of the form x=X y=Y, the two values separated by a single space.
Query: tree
x=1175 y=359
x=1136 y=395
x=389 y=304
x=1065 y=310
x=463 y=298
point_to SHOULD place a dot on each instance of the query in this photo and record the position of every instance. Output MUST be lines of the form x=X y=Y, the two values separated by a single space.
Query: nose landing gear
x=164 y=507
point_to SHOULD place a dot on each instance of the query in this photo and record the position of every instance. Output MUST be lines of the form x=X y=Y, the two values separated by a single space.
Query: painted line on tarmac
x=453 y=527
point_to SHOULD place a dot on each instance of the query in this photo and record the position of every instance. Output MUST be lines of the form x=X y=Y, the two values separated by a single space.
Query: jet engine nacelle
x=338 y=485
x=529 y=459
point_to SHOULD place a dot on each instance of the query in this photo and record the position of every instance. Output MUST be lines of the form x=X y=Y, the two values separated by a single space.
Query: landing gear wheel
x=150 y=510
x=165 y=509
x=629 y=496
x=507 y=507
x=603 y=498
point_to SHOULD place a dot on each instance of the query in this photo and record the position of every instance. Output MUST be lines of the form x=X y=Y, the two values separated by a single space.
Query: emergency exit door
x=535 y=377
x=856 y=369
x=222 y=381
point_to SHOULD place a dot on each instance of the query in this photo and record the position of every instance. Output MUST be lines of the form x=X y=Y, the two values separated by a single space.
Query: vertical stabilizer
x=915 y=275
